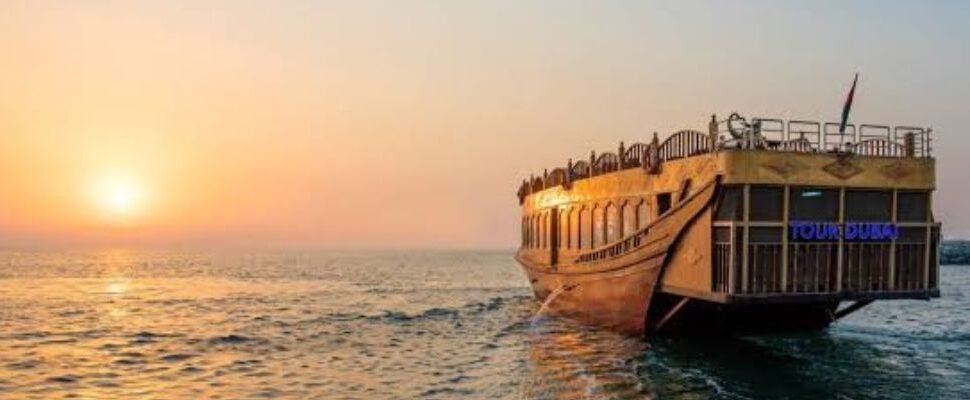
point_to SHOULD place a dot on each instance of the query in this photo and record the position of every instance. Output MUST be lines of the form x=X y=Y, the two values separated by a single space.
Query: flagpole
x=846 y=109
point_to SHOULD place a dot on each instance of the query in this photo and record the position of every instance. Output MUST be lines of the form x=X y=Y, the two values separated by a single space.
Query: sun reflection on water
x=116 y=288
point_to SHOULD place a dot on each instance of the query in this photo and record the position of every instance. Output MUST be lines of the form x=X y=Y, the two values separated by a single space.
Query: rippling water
x=122 y=324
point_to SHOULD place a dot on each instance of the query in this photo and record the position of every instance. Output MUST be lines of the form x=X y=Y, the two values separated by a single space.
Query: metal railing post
x=841 y=248
x=784 y=240
x=732 y=268
x=891 y=285
x=744 y=241
x=929 y=237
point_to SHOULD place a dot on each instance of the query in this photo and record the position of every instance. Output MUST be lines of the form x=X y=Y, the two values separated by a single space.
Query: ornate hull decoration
x=842 y=168
x=896 y=170
x=784 y=167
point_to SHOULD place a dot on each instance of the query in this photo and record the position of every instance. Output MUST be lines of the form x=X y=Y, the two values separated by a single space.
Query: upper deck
x=759 y=152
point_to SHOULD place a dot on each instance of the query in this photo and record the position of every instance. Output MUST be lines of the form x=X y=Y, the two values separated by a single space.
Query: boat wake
x=551 y=297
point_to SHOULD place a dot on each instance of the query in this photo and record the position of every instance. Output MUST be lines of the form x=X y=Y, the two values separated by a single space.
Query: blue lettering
x=794 y=230
x=820 y=231
x=862 y=231
x=833 y=231
x=891 y=231
x=851 y=231
x=876 y=233
x=807 y=231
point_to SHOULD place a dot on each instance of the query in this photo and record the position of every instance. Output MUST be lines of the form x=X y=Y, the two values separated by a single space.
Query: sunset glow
x=119 y=196
x=342 y=124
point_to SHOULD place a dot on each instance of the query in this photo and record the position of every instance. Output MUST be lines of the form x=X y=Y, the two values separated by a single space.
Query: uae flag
x=848 y=105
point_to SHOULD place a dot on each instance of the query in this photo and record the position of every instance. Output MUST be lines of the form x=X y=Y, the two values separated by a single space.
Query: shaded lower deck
x=685 y=316
x=759 y=251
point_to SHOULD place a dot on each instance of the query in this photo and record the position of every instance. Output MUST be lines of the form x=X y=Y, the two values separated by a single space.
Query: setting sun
x=118 y=195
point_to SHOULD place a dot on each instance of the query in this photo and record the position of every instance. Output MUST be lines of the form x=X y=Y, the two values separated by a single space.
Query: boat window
x=643 y=215
x=767 y=203
x=532 y=234
x=612 y=223
x=574 y=228
x=599 y=230
x=535 y=231
x=730 y=206
x=525 y=232
x=629 y=218
x=547 y=230
x=764 y=235
x=912 y=206
x=868 y=205
x=564 y=228
x=585 y=224
x=813 y=204
x=544 y=226
x=722 y=235
x=547 y=226
x=526 y=225
x=663 y=203
x=542 y=231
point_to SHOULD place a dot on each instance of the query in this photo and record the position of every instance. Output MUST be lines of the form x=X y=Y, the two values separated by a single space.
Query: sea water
x=399 y=325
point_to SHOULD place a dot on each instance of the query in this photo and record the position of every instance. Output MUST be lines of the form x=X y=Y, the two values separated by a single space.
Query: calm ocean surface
x=120 y=324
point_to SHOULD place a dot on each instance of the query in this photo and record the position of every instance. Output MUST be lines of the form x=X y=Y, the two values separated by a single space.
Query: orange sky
x=385 y=124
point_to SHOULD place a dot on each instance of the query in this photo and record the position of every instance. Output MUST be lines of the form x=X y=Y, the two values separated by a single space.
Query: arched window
x=643 y=215
x=548 y=225
x=564 y=228
x=535 y=231
x=528 y=235
x=599 y=226
x=528 y=232
x=629 y=218
x=524 y=232
x=585 y=229
x=547 y=230
x=612 y=223
x=574 y=228
x=543 y=230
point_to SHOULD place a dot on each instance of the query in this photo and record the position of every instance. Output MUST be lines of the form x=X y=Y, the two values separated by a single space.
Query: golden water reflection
x=571 y=361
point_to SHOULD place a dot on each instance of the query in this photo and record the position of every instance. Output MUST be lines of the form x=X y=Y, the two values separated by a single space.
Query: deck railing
x=621 y=247
x=864 y=139
x=812 y=267
x=767 y=134
x=721 y=275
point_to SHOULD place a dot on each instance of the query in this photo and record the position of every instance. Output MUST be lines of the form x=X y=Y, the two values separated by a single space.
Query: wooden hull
x=616 y=300
x=616 y=291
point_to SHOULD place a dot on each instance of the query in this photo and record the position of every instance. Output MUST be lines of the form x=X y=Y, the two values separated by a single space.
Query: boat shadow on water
x=567 y=360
